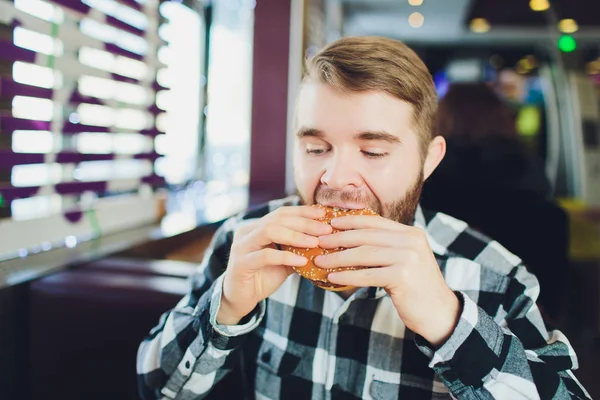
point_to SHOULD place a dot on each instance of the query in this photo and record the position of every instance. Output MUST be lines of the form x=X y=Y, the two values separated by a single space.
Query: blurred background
x=130 y=129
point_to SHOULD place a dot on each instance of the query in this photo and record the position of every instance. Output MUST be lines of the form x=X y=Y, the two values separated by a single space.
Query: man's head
x=364 y=123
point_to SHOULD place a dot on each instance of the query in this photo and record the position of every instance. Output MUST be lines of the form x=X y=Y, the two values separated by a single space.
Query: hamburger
x=310 y=271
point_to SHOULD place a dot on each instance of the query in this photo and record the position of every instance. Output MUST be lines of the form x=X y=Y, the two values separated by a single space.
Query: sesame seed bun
x=310 y=271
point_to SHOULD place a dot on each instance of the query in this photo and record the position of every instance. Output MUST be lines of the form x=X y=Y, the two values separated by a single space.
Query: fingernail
x=301 y=261
x=312 y=241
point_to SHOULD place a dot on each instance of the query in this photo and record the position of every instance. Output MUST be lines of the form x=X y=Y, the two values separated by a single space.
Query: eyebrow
x=378 y=135
x=309 y=132
x=368 y=135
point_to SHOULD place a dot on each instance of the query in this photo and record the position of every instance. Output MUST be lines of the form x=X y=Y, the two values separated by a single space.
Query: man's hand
x=256 y=268
x=402 y=263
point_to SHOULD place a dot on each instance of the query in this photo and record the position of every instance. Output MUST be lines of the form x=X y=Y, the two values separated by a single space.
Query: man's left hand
x=401 y=261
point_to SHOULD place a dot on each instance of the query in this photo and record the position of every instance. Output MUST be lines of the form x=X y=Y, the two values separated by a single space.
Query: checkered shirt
x=307 y=343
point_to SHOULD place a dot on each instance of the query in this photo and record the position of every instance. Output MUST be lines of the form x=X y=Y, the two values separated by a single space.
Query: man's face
x=357 y=150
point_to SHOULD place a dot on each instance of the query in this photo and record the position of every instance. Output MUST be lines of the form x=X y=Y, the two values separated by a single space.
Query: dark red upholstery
x=86 y=328
x=180 y=269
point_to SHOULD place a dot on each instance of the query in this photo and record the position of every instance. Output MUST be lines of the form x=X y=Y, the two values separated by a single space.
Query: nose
x=341 y=173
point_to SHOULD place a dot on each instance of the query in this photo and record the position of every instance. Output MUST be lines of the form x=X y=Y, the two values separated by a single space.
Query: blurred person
x=441 y=312
x=489 y=180
x=471 y=117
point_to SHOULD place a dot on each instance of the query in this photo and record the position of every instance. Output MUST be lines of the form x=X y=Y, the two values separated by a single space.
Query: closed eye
x=317 y=151
x=374 y=155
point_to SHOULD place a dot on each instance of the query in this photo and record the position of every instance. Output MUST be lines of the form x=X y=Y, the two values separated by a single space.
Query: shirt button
x=187 y=364
x=345 y=319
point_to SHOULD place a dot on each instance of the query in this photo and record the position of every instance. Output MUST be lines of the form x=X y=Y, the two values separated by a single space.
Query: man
x=444 y=312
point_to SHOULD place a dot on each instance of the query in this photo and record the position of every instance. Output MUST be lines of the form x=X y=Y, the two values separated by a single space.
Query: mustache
x=323 y=194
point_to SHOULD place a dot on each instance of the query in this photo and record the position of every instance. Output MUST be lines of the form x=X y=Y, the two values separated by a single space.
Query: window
x=94 y=93
x=229 y=105
x=181 y=106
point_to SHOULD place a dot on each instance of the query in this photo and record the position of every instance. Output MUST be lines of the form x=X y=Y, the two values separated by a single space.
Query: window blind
x=78 y=120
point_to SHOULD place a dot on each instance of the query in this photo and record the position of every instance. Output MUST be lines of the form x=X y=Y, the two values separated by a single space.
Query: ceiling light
x=539 y=5
x=480 y=25
x=415 y=2
x=568 y=25
x=416 y=20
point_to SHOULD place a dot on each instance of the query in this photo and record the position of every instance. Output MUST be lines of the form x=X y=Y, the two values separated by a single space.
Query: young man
x=445 y=312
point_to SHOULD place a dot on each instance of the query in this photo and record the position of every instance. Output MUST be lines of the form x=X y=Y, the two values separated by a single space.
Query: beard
x=401 y=210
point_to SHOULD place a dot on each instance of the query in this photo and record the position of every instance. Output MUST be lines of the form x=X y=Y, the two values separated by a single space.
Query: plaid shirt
x=307 y=343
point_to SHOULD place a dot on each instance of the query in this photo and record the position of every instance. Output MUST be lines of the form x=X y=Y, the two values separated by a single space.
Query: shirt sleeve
x=187 y=353
x=511 y=356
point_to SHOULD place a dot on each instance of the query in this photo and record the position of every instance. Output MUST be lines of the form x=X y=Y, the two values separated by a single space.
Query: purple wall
x=269 y=99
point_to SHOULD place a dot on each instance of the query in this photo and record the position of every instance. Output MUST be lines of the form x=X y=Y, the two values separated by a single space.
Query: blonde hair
x=372 y=63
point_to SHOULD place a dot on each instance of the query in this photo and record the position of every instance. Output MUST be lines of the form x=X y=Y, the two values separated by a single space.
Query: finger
x=244 y=227
x=301 y=224
x=304 y=225
x=362 y=237
x=269 y=256
x=366 y=222
x=363 y=256
x=309 y=212
x=273 y=233
x=376 y=277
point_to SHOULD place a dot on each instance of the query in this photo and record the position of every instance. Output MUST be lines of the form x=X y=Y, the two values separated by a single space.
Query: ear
x=435 y=154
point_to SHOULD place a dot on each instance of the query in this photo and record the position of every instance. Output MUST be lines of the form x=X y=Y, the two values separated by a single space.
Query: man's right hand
x=256 y=268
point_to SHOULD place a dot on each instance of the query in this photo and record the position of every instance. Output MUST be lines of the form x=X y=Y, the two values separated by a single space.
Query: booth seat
x=86 y=328
x=86 y=325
